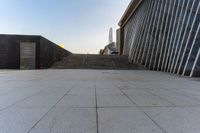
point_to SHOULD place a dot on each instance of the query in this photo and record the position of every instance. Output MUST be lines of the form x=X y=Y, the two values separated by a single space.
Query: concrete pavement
x=98 y=101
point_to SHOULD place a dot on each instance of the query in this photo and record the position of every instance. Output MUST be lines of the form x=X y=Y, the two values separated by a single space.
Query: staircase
x=83 y=61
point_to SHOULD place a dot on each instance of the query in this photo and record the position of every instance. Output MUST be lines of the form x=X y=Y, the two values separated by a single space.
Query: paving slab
x=181 y=100
x=8 y=100
x=149 y=100
x=86 y=84
x=40 y=101
x=67 y=120
x=175 y=119
x=109 y=92
x=82 y=91
x=128 y=120
x=20 y=120
x=105 y=85
x=77 y=101
x=114 y=101
x=135 y=91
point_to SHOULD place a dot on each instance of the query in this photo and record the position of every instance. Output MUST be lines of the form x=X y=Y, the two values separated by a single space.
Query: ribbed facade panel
x=164 y=35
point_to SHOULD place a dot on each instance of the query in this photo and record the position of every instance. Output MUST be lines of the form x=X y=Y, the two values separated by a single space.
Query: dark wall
x=46 y=51
x=50 y=52
x=9 y=53
x=121 y=41
x=10 y=50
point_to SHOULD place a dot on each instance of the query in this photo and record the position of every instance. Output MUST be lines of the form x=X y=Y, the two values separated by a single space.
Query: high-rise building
x=110 y=36
x=110 y=49
x=163 y=35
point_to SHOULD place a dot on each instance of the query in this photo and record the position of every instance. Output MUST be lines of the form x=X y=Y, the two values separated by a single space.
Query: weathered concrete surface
x=92 y=101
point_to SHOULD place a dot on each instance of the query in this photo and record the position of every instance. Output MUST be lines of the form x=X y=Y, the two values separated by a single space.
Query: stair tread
x=81 y=61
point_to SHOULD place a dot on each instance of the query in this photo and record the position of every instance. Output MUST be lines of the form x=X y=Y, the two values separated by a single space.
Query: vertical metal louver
x=164 y=35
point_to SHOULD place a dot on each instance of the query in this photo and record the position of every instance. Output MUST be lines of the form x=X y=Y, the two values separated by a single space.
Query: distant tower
x=110 y=36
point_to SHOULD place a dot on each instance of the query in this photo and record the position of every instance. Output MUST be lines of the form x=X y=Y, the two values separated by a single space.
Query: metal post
x=164 y=36
x=149 y=48
x=169 y=56
x=162 y=24
x=197 y=32
x=189 y=36
x=176 y=35
x=181 y=45
x=168 y=38
x=195 y=63
x=157 y=27
x=151 y=22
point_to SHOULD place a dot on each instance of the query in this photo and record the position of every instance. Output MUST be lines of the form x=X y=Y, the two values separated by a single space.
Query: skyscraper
x=110 y=36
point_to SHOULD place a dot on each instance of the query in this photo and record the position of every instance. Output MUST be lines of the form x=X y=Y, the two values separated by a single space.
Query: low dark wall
x=9 y=53
x=50 y=52
x=46 y=51
x=10 y=50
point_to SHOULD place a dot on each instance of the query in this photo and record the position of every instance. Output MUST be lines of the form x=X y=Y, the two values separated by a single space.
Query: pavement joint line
x=75 y=107
x=141 y=109
x=152 y=107
x=33 y=79
x=96 y=103
x=109 y=107
x=51 y=108
x=18 y=102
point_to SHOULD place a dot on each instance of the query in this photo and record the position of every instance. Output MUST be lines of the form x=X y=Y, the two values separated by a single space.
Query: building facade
x=28 y=52
x=163 y=35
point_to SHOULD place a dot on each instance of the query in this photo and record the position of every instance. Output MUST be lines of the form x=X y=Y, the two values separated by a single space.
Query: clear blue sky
x=81 y=25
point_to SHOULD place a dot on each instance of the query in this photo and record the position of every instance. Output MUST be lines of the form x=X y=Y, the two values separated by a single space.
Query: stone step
x=81 y=61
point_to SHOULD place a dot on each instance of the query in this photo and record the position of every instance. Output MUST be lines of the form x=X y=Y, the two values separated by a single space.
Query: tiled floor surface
x=98 y=101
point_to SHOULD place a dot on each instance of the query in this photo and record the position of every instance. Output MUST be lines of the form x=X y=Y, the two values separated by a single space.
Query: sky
x=82 y=26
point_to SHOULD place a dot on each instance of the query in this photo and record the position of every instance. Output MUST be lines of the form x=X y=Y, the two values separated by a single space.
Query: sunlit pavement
x=98 y=101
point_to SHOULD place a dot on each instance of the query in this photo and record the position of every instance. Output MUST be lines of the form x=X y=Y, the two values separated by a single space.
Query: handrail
x=52 y=61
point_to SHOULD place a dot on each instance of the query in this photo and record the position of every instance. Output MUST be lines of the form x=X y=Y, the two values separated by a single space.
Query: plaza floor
x=98 y=101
